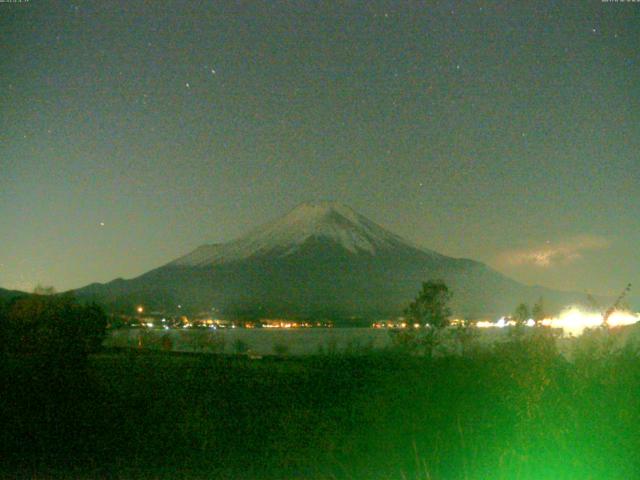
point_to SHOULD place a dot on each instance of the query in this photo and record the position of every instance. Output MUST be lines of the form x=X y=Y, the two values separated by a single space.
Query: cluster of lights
x=287 y=324
x=572 y=321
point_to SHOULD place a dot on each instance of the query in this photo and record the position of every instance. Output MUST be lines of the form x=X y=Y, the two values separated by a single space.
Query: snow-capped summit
x=321 y=260
x=327 y=221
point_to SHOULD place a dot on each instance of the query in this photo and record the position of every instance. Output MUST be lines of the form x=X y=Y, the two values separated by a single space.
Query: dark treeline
x=54 y=327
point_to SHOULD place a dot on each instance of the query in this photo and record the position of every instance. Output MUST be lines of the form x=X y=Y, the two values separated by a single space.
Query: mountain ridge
x=6 y=294
x=331 y=220
x=318 y=260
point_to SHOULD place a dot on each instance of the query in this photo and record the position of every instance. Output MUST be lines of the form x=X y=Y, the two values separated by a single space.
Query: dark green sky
x=508 y=132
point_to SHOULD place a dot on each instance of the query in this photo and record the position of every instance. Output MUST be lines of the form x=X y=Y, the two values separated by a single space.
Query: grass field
x=516 y=411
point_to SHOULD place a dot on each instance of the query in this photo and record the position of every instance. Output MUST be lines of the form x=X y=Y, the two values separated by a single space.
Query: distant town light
x=140 y=309
x=572 y=320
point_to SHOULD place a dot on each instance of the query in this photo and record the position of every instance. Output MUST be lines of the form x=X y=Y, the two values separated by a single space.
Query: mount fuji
x=327 y=222
x=321 y=260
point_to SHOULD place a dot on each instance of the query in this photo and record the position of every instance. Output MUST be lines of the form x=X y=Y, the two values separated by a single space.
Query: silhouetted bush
x=280 y=349
x=51 y=326
x=240 y=347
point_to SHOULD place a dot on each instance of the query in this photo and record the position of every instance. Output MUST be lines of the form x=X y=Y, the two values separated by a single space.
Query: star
x=187 y=85
x=102 y=224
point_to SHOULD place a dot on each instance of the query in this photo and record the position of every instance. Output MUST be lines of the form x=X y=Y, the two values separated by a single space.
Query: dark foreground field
x=519 y=411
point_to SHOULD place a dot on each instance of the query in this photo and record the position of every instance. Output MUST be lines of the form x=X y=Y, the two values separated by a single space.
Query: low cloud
x=551 y=254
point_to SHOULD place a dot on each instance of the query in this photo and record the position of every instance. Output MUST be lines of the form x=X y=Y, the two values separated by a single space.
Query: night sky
x=507 y=132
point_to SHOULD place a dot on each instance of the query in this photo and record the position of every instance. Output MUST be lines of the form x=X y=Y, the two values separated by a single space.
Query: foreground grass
x=520 y=411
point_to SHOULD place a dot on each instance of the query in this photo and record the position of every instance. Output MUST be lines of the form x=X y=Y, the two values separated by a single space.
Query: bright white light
x=485 y=324
x=572 y=321
x=620 y=318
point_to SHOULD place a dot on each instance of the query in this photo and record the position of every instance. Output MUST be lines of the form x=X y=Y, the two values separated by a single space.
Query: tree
x=42 y=290
x=465 y=332
x=430 y=306
x=537 y=312
x=56 y=327
x=521 y=315
x=616 y=305
x=430 y=309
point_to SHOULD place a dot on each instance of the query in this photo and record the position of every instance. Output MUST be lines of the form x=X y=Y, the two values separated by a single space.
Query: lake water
x=262 y=341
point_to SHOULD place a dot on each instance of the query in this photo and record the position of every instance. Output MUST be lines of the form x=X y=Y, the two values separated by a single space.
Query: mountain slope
x=330 y=221
x=9 y=294
x=319 y=260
